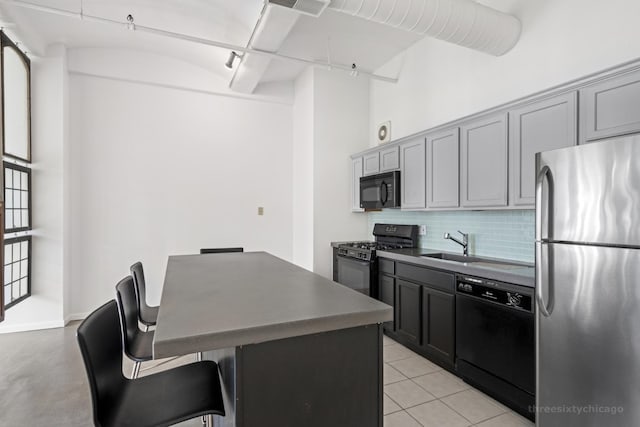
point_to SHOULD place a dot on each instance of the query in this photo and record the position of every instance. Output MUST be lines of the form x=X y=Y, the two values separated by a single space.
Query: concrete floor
x=43 y=380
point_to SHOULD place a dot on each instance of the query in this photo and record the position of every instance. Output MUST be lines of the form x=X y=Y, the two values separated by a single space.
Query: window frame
x=11 y=241
x=5 y=41
x=16 y=162
x=14 y=166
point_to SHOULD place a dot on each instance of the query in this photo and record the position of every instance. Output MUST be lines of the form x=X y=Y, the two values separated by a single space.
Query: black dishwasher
x=495 y=340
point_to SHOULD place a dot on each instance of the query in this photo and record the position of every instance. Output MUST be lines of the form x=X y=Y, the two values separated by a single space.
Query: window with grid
x=17 y=270
x=17 y=198
x=15 y=132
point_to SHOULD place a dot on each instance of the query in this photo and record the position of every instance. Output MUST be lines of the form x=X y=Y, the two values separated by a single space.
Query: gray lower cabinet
x=371 y=163
x=356 y=174
x=413 y=168
x=387 y=286
x=390 y=159
x=408 y=307
x=483 y=162
x=540 y=126
x=443 y=166
x=610 y=107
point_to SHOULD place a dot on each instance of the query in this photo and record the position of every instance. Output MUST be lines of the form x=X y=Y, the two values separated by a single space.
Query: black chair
x=160 y=399
x=148 y=314
x=219 y=250
x=137 y=344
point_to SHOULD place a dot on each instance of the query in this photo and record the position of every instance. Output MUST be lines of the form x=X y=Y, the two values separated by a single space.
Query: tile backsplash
x=500 y=234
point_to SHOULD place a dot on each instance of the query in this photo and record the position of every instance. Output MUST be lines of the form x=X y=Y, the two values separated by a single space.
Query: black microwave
x=380 y=191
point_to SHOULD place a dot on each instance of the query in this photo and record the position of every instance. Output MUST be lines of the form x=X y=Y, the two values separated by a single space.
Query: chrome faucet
x=464 y=243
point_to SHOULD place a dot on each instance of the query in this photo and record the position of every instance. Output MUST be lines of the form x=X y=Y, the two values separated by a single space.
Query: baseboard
x=24 y=327
x=75 y=316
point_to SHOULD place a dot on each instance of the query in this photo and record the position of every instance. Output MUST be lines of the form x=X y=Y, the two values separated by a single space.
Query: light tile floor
x=418 y=393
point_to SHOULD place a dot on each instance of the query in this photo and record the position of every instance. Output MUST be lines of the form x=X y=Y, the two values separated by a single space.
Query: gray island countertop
x=226 y=300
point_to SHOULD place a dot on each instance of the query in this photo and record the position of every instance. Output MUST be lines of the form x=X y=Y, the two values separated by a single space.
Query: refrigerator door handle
x=544 y=173
x=543 y=276
x=542 y=260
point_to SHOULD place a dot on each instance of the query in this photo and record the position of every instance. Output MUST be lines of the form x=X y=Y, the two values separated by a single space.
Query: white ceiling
x=223 y=20
x=345 y=38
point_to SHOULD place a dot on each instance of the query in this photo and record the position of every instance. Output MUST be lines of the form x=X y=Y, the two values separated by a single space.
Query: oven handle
x=355 y=261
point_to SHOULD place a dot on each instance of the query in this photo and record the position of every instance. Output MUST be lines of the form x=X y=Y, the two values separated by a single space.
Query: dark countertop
x=226 y=300
x=523 y=275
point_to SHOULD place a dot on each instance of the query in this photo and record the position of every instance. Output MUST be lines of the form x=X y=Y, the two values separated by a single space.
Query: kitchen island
x=294 y=349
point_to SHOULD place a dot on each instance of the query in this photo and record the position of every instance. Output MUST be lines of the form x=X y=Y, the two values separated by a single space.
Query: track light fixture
x=354 y=70
x=232 y=57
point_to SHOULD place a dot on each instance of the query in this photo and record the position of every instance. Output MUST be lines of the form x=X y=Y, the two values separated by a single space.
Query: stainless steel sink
x=478 y=262
x=453 y=257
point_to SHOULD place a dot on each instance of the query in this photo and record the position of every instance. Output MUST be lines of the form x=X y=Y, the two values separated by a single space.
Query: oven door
x=355 y=274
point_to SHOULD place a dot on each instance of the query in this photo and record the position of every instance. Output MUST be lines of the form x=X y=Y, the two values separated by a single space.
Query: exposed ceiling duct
x=463 y=22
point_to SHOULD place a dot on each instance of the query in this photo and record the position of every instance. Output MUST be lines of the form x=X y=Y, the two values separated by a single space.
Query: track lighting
x=354 y=70
x=232 y=57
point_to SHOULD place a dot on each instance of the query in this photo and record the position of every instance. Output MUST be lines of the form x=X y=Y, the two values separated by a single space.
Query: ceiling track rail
x=130 y=25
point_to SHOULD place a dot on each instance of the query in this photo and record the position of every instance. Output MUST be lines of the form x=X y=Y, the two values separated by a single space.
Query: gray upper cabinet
x=483 y=162
x=371 y=163
x=413 y=167
x=356 y=174
x=443 y=161
x=390 y=159
x=541 y=126
x=610 y=107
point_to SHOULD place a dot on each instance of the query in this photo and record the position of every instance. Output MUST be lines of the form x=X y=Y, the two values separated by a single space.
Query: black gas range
x=355 y=263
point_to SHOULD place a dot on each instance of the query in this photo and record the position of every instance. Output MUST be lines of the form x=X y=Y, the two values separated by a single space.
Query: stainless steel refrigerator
x=588 y=285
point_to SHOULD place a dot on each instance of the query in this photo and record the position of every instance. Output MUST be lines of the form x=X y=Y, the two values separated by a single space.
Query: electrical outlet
x=423 y=230
x=260 y=210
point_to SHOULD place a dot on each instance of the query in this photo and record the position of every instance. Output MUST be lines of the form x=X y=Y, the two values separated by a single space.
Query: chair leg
x=136 y=370
x=207 y=420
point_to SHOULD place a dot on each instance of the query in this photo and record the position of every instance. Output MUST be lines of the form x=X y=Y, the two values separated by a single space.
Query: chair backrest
x=219 y=250
x=137 y=272
x=129 y=313
x=101 y=347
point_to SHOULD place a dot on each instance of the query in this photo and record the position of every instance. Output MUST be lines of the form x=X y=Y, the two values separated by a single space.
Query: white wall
x=561 y=41
x=330 y=122
x=340 y=124
x=157 y=171
x=302 y=176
